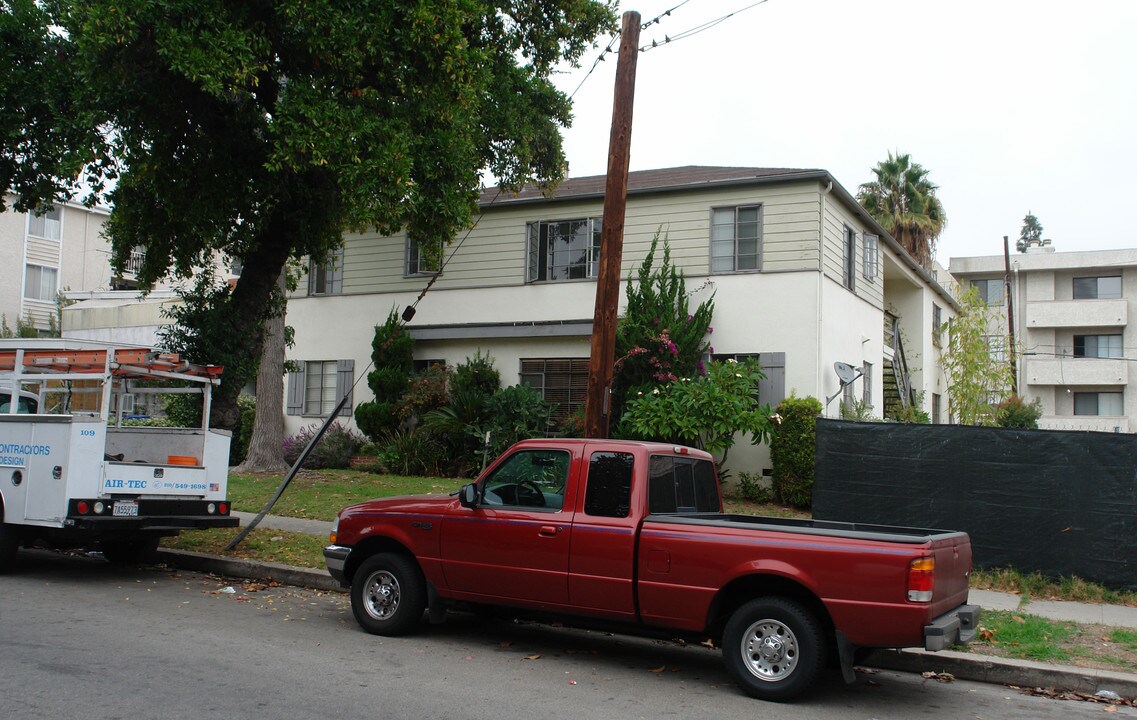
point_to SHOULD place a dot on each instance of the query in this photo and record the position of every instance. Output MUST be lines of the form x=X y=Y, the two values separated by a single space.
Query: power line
x=599 y=59
x=691 y=32
x=659 y=18
x=612 y=41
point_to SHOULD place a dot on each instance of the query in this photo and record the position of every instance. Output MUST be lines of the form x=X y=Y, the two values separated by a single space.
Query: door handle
x=549 y=530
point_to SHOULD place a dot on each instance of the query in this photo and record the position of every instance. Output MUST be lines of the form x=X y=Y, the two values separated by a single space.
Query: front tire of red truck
x=774 y=647
x=388 y=594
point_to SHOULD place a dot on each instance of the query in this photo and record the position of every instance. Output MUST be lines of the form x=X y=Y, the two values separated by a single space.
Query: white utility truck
x=71 y=475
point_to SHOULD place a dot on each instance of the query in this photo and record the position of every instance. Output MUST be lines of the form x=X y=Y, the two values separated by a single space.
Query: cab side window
x=529 y=479
x=609 y=485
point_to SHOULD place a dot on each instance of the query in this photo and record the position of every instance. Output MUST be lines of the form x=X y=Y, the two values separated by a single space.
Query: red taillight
x=921 y=579
x=83 y=507
x=223 y=508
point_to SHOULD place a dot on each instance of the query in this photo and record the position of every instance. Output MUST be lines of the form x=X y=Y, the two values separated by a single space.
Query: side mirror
x=468 y=495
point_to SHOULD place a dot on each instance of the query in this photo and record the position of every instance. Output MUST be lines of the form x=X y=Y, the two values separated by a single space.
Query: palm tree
x=904 y=202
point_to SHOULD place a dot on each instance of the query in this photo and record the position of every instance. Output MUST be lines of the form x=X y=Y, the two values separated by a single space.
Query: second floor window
x=326 y=278
x=991 y=291
x=1097 y=346
x=849 y=261
x=1097 y=288
x=736 y=238
x=937 y=325
x=872 y=257
x=48 y=226
x=563 y=250
x=418 y=262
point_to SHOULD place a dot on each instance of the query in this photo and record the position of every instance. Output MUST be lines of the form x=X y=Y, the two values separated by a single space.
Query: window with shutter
x=563 y=381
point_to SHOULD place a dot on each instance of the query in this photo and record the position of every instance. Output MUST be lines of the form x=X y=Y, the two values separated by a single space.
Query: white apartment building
x=40 y=256
x=1071 y=310
x=802 y=277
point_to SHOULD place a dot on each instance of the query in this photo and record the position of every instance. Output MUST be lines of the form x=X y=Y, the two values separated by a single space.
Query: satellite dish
x=846 y=372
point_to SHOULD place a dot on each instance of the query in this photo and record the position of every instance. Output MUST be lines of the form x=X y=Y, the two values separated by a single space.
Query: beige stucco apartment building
x=801 y=276
x=1071 y=311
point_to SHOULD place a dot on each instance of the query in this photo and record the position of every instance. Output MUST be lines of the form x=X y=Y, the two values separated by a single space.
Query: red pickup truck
x=633 y=533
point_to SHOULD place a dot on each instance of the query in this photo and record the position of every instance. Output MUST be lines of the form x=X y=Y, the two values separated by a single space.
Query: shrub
x=477 y=374
x=660 y=338
x=703 y=411
x=426 y=391
x=243 y=433
x=407 y=452
x=750 y=487
x=334 y=450
x=1014 y=413
x=791 y=450
x=515 y=413
x=392 y=352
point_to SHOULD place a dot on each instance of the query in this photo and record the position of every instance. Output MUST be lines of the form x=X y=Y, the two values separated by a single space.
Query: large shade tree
x=263 y=131
x=903 y=200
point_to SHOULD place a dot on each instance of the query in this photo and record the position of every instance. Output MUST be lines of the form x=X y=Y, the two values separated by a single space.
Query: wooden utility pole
x=1010 y=315
x=612 y=234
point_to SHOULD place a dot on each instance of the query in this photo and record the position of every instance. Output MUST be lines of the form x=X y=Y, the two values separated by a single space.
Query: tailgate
x=123 y=478
x=953 y=571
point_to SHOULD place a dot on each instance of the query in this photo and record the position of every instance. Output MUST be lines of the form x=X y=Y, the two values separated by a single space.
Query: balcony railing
x=134 y=263
x=1077 y=313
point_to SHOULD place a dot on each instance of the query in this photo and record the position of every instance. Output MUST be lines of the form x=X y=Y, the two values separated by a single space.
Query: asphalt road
x=81 y=638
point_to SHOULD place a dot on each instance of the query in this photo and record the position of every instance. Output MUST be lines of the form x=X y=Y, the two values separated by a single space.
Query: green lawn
x=320 y=494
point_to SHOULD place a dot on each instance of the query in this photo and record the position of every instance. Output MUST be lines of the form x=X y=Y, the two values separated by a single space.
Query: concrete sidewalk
x=965 y=666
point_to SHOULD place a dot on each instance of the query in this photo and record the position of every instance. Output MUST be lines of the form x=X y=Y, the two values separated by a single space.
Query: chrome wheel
x=381 y=595
x=770 y=649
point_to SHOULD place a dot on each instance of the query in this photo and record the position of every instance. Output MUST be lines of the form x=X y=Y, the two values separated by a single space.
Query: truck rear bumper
x=336 y=557
x=156 y=523
x=953 y=628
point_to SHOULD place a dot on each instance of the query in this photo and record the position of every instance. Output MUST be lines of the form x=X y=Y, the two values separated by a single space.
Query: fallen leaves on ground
x=944 y=677
x=1109 y=699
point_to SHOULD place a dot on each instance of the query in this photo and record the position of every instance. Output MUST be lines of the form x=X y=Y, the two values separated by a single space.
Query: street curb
x=963 y=666
x=1005 y=671
x=257 y=570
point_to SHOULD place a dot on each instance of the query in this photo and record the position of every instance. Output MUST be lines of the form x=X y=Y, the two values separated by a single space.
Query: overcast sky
x=1014 y=106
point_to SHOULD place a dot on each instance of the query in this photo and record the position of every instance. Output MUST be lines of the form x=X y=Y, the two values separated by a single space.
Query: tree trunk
x=264 y=454
x=247 y=306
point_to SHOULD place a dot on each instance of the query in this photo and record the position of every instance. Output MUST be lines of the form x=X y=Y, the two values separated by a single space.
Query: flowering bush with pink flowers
x=659 y=339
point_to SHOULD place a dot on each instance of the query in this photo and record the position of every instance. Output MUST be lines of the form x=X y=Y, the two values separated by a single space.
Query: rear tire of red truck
x=388 y=594
x=774 y=647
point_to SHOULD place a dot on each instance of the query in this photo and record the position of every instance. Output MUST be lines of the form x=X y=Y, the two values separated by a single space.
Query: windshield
x=27 y=405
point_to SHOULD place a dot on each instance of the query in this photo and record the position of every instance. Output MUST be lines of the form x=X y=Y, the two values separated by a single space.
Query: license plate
x=125 y=509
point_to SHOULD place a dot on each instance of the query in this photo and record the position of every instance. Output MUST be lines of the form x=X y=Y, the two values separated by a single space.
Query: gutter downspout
x=820 y=282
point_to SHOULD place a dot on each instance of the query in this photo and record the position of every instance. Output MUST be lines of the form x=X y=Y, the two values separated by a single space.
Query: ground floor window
x=315 y=389
x=772 y=388
x=563 y=381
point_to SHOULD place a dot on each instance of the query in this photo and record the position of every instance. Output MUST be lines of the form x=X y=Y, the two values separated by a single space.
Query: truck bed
x=826 y=528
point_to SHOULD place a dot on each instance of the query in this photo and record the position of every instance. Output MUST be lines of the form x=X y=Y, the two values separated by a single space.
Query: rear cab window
x=682 y=485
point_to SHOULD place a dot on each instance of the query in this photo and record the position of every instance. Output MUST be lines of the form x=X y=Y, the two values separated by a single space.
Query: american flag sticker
x=214 y=487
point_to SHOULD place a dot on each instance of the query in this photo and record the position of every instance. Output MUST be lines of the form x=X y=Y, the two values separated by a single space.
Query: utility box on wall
x=1060 y=503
